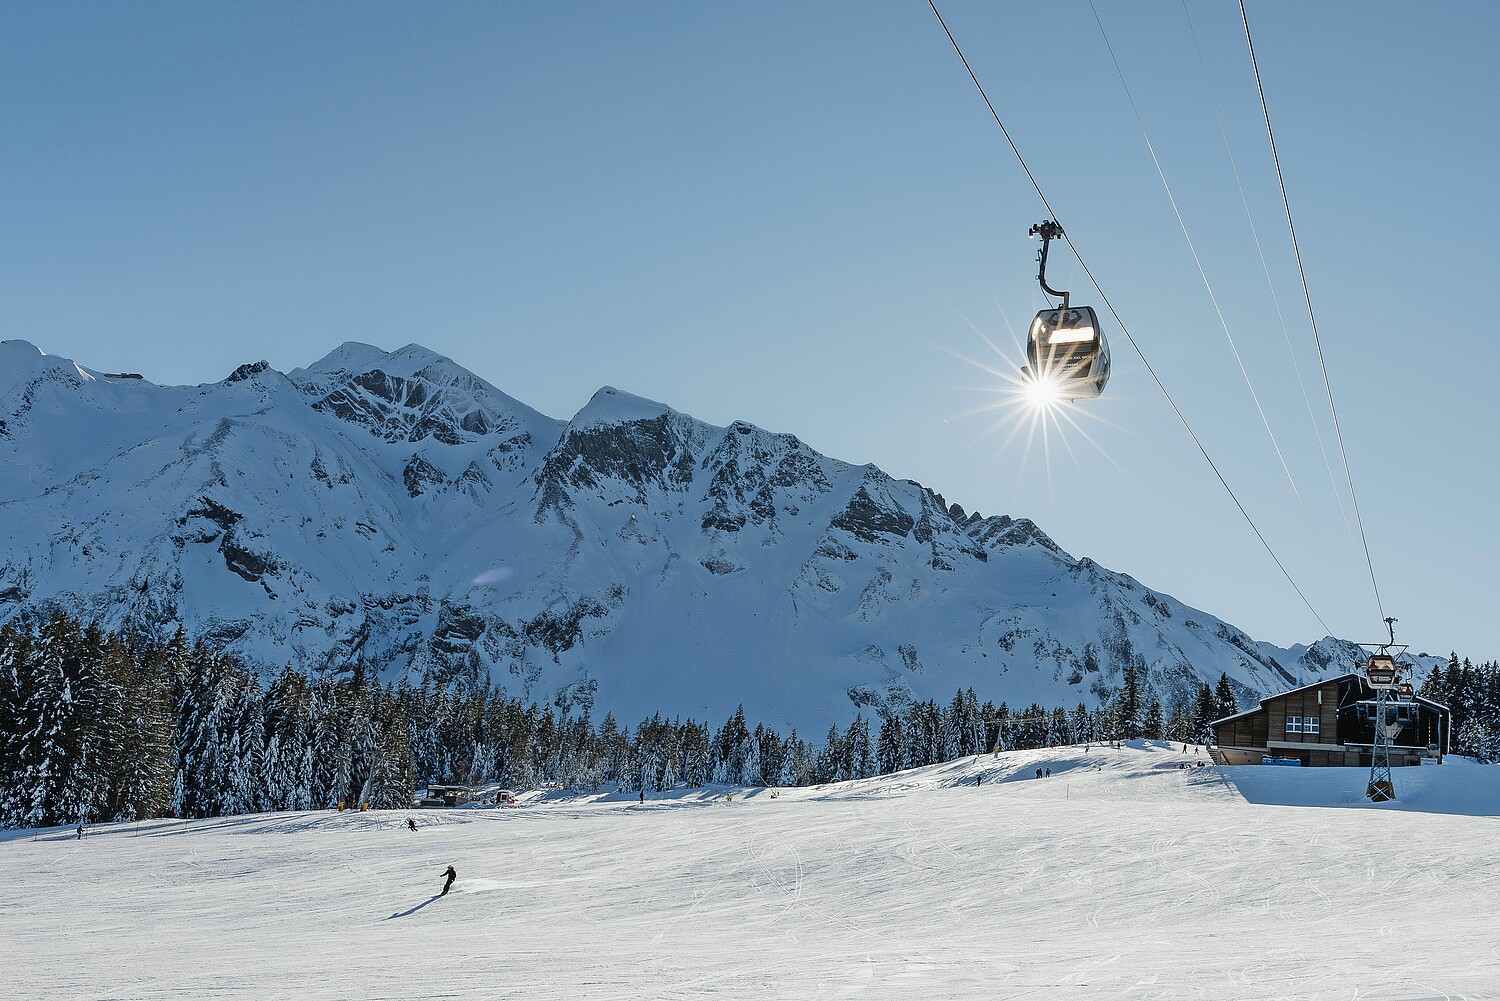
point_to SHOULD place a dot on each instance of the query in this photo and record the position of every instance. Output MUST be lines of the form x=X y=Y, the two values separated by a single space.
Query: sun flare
x=1042 y=392
x=1031 y=410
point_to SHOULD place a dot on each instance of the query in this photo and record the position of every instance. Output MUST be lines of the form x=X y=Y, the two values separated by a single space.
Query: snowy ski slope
x=1121 y=875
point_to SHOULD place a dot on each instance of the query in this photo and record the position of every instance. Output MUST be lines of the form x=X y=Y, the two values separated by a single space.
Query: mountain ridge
x=395 y=509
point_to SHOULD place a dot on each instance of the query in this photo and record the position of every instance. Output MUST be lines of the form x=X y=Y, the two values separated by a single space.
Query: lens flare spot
x=1043 y=392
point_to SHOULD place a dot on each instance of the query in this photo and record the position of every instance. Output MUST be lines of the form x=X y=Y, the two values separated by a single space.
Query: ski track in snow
x=1118 y=876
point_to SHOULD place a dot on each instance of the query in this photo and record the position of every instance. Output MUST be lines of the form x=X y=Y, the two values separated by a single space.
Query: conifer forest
x=96 y=728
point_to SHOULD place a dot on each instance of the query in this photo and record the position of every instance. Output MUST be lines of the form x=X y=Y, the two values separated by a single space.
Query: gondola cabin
x=1067 y=353
x=1381 y=671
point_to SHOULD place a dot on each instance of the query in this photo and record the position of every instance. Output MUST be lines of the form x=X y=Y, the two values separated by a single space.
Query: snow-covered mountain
x=394 y=508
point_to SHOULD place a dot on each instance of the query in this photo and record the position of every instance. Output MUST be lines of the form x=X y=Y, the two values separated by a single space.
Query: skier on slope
x=451 y=877
x=411 y=825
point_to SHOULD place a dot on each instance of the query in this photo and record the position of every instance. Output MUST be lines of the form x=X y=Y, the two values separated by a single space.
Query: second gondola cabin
x=1066 y=352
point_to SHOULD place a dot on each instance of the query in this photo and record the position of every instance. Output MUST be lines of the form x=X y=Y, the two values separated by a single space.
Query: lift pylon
x=1384 y=674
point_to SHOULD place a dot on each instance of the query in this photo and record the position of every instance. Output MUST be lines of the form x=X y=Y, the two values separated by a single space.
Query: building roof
x=1316 y=684
x=1250 y=712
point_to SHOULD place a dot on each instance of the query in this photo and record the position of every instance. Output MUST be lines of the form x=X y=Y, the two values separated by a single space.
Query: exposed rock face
x=395 y=509
x=240 y=374
x=421 y=475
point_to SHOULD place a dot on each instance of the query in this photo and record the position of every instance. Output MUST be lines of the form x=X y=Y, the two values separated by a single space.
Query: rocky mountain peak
x=247 y=371
x=22 y=363
x=614 y=406
x=394 y=508
x=414 y=394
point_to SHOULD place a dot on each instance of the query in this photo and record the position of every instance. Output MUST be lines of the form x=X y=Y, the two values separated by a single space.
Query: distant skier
x=1049 y=773
x=1038 y=773
x=411 y=825
x=643 y=797
x=979 y=780
x=451 y=877
x=80 y=832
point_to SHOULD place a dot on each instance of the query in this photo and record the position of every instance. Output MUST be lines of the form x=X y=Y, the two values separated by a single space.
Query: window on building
x=1309 y=724
x=1294 y=724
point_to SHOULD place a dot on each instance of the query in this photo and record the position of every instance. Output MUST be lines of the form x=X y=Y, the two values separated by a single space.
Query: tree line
x=94 y=728
x=1472 y=695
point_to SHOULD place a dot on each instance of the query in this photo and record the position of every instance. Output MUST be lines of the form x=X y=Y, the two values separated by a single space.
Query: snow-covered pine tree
x=99 y=700
x=1130 y=709
x=750 y=754
x=16 y=682
x=772 y=754
x=1058 y=730
x=206 y=705
x=1479 y=739
x=1179 y=726
x=1032 y=727
x=1080 y=724
x=247 y=791
x=143 y=780
x=287 y=759
x=612 y=748
x=888 y=744
x=1153 y=725
x=333 y=761
x=1004 y=738
x=392 y=783
x=54 y=729
x=1226 y=703
x=953 y=728
x=859 y=749
x=826 y=763
x=788 y=774
x=543 y=748
x=1205 y=711
x=729 y=749
x=916 y=748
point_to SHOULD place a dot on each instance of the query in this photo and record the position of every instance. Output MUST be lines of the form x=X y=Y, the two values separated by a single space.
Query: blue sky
x=801 y=215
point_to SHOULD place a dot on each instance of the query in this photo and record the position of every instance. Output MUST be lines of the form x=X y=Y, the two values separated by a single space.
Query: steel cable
x=1123 y=329
x=1311 y=317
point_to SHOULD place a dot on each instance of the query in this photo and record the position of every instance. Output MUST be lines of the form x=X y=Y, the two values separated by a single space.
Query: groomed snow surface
x=1120 y=875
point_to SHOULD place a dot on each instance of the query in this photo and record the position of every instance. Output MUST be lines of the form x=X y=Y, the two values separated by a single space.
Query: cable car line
x=1312 y=318
x=1286 y=336
x=1125 y=330
x=1182 y=225
x=1214 y=299
x=1264 y=267
x=1197 y=441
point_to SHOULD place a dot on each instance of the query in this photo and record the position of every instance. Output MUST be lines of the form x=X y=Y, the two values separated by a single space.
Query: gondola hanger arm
x=1048 y=231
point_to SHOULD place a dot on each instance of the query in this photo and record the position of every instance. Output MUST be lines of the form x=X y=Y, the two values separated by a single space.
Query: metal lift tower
x=1382 y=672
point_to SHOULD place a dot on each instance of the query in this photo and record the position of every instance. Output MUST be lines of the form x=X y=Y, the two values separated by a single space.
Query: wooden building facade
x=448 y=796
x=1332 y=722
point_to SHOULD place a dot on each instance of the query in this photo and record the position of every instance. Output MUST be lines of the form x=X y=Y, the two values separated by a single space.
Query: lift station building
x=1331 y=723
